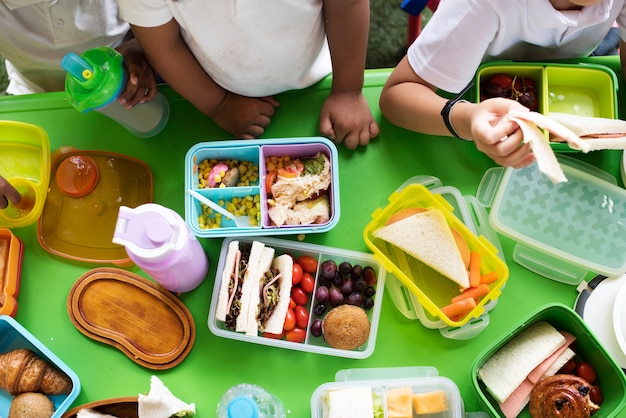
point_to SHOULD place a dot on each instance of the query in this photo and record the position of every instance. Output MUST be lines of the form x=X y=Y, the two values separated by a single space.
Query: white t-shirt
x=249 y=47
x=36 y=34
x=463 y=34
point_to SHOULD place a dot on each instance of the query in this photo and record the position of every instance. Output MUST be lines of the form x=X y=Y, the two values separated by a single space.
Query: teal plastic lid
x=242 y=407
x=94 y=79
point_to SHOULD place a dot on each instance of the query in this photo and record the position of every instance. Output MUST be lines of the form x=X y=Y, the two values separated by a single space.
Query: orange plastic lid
x=77 y=175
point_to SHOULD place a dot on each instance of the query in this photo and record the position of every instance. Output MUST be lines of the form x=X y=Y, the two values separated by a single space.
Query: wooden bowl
x=126 y=407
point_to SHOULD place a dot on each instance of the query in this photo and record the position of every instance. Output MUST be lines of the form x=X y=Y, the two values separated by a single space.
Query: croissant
x=21 y=370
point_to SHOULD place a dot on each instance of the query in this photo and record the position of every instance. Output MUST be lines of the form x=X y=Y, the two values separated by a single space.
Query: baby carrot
x=459 y=309
x=474 y=269
x=473 y=292
x=489 y=278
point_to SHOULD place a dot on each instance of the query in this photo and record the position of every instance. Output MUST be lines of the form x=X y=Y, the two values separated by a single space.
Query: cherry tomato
x=290 y=320
x=296 y=335
x=308 y=263
x=308 y=283
x=302 y=316
x=596 y=395
x=299 y=296
x=270 y=179
x=586 y=371
x=569 y=367
x=296 y=274
x=292 y=304
x=274 y=336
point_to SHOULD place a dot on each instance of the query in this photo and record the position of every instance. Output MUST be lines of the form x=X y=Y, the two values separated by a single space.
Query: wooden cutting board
x=146 y=322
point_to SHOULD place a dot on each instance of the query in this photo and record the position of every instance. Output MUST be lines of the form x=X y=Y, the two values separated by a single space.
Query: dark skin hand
x=8 y=193
x=142 y=85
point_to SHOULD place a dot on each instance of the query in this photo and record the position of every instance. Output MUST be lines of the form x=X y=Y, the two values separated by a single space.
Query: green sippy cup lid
x=94 y=79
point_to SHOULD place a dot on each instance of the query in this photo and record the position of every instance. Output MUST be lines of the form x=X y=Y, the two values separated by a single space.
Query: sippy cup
x=158 y=240
x=95 y=80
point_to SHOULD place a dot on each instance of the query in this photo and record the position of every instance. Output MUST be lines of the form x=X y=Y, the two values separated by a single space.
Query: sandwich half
x=229 y=297
x=598 y=133
x=427 y=237
x=256 y=279
x=274 y=295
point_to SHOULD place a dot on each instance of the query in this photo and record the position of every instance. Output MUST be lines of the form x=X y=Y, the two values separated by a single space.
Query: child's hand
x=501 y=140
x=141 y=86
x=8 y=192
x=346 y=118
x=244 y=117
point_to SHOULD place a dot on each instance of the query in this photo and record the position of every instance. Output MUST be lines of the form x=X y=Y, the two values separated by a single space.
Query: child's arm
x=346 y=116
x=8 y=192
x=411 y=103
x=168 y=53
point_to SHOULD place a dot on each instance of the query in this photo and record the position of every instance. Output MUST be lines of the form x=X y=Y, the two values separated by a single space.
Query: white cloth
x=248 y=47
x=463 y=34
x=36 y=34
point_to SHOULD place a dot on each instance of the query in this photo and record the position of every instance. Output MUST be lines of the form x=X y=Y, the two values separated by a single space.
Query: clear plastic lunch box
x=567 y=232
x=321 y=253
x=419 y=292
x=255 y=152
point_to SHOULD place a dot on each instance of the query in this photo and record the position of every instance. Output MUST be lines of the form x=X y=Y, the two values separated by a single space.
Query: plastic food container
x=13 y=335
x=611 y=378
x=320 y=253
x=87 y=189
x=421 y=380
x=567 y=232
x=254 y=153
x=11 y=252
x=425 y=288
x=25 y=163
x=578 y=89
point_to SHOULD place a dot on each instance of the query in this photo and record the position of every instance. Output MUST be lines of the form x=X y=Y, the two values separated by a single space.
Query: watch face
x=602 y=307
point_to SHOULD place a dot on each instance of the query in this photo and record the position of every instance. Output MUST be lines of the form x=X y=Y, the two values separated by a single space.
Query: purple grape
x=321 y=294
x=319 y=309
x=357 y=269
x=360 y=285
x=335 y=297
x=329 y=269
x=368 y=303
x=345 y=268
x=347 y=286
x=316 y=328
x=369 y=291
x=355 y=299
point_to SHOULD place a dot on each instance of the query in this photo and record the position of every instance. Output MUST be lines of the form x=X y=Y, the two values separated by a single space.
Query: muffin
x=31 y=405
x=346 y=327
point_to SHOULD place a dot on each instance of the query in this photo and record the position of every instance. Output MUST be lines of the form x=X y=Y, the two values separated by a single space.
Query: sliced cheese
x=399 y=403
x=430 y=402
x=353 y=402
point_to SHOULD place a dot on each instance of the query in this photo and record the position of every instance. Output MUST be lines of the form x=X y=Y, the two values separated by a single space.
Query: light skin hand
x=141 y=86
x=500 y=139
x=8 y=193
x=346 y=118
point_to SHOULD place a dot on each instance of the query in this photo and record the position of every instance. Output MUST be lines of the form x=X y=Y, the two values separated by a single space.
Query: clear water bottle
x=158 y=240
x=249 y=401
x=94 y=81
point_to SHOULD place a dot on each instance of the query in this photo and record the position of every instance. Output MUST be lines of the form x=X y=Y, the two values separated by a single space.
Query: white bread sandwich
x=598 y=133
x=351 y=402
x=507 y=369
x=255 y=289
x=427 y=237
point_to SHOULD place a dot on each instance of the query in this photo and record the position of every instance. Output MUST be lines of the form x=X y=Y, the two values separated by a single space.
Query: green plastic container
x=578 y=89
x=611 y=378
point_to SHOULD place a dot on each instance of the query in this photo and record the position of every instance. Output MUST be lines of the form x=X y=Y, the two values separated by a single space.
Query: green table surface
x=367 y=177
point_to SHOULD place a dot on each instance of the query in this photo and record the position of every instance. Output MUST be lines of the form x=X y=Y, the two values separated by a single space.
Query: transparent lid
x=93 y=79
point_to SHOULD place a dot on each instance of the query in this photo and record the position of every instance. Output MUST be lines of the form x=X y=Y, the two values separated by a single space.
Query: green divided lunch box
x=568 y=231
x=418 y=291
x=578 y=89
x=610 y=377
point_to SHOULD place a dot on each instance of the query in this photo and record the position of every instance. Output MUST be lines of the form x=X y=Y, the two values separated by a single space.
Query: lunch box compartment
x=578 y=89
x=320 y=253
x=418 y=291
x=611 y=378
x=255 y=152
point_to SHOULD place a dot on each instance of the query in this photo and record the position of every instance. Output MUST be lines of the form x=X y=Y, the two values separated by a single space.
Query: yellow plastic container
x=430 y=288
x=25 y=163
